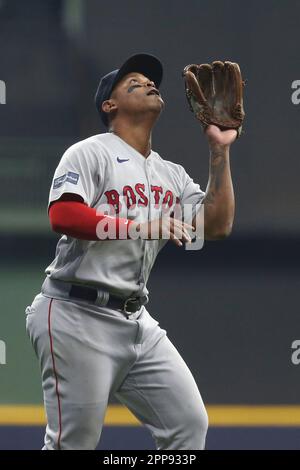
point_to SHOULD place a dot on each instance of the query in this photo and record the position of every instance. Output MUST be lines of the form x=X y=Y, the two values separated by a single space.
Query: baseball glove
x=215 y=94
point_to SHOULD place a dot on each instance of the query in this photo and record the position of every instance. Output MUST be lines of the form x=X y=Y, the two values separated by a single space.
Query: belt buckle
x=128 y=312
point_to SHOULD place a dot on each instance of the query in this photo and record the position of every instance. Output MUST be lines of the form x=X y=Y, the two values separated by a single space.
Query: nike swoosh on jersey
x=121 y=160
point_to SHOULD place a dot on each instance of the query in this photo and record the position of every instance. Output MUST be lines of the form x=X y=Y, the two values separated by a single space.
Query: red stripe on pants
x=55 y=374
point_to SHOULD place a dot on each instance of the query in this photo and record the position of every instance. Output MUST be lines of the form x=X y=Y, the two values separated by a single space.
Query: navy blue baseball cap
x=147 y=64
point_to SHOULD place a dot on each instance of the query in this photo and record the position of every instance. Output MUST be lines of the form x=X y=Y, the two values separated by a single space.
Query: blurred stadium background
x=231 y=309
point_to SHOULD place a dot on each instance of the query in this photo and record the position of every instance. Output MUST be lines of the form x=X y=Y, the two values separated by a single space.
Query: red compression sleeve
x=80 y=221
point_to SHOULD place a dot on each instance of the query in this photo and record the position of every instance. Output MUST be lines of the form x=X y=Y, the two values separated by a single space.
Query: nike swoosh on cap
x=121 y=160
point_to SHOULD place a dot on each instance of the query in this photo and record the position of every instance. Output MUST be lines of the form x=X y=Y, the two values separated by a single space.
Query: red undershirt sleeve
x=78 y=220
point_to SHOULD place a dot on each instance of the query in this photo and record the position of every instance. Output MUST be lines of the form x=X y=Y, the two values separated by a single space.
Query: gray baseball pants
x=88 y=353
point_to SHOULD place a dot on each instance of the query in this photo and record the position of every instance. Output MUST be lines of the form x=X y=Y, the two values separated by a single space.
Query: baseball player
x=89 y=326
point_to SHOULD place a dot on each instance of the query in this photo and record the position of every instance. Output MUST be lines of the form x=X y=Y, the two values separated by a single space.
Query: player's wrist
x=218 y=152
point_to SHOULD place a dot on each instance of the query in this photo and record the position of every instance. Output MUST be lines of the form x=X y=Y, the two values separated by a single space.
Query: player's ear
x=109 y=106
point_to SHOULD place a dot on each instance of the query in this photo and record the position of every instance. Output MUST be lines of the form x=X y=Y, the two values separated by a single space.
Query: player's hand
x=166 y=228
x=217 y=137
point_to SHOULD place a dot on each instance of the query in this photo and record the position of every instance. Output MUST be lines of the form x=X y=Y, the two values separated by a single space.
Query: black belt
x=130 y=305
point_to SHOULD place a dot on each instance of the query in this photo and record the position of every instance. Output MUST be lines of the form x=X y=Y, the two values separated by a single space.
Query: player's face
x=136 y=94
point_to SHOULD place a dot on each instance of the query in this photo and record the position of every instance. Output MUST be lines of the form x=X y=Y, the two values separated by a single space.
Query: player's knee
x=75 y=440
x=197 y=425
x=85 y=435
x=80 y=430
x=188 y=434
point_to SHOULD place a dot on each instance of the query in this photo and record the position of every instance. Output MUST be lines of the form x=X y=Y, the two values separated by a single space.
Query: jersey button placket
x=146 y=257
x=145 y=244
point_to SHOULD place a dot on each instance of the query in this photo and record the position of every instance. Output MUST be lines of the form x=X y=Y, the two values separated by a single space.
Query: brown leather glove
x=215 y=94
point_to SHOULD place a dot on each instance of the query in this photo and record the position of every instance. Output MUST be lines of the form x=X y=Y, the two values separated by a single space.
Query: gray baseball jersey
x=103 y=170
x=89 y=352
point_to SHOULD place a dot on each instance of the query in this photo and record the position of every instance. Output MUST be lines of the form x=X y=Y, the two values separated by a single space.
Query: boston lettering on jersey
x=136 y=196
